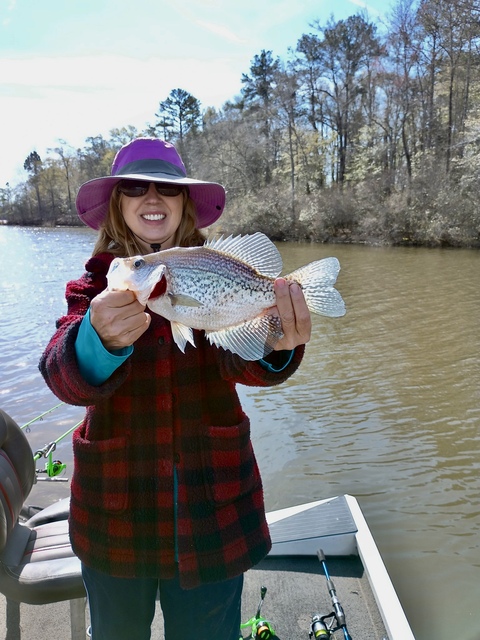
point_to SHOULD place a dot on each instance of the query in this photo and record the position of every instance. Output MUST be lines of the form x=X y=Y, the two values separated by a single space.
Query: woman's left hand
x=294 y=314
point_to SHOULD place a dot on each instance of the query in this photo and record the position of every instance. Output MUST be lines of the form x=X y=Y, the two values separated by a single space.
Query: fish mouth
x=159 y=289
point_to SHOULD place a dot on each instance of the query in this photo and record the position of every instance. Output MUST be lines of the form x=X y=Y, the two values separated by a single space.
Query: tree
x=309 y=70
x=454 y=27
x=346 y=50
x=67 y=159
x=402 y=104
x=258 y=94
x=96 y=158
x=5 y=201
x=178 y=115
x=33 y=165
x=289 y=111
x=123 y=135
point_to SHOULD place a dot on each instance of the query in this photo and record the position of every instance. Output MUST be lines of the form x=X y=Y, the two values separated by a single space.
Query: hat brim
x=93 y=197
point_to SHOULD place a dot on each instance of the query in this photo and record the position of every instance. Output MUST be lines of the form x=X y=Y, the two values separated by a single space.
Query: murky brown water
x=386 y=405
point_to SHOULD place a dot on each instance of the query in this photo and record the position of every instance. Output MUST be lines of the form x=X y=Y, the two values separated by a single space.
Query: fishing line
x=51 y=446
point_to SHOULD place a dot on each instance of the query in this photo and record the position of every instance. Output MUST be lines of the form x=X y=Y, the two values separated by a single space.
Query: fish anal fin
x=251 y=340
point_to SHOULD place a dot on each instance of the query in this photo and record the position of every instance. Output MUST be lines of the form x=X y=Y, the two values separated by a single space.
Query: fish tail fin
x=317 y=280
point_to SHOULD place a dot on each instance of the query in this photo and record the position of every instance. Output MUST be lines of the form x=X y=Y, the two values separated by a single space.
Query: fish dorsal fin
x=251 y=340
x=256 y=250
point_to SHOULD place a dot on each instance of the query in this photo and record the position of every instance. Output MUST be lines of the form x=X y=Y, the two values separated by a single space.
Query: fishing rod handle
x=339 y=614
x=321 y=555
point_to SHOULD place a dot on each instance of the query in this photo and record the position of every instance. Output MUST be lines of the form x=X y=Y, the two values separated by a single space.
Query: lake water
x=386 y=405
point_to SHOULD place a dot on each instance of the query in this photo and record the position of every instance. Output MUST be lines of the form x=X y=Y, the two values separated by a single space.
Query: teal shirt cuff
x=96 y=363
x=283 y=359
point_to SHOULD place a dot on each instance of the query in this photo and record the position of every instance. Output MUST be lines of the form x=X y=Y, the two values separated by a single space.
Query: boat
x=323 y=578
x=323 y=556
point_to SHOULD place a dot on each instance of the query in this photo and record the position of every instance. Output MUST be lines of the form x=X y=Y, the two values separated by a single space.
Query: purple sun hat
x=152 y=160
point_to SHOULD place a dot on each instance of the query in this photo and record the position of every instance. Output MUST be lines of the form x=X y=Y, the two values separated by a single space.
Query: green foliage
x=178 y=114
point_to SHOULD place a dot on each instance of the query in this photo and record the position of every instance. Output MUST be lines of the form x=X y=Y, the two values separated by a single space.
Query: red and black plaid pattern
x=161 y=410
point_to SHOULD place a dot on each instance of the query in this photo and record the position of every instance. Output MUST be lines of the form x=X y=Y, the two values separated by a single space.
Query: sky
x=71 y=69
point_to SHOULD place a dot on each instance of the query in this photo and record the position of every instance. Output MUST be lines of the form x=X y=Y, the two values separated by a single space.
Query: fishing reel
x=264 y=630
x=320 y=628
x=323 y=626
x=53 y=468
x=260 y=629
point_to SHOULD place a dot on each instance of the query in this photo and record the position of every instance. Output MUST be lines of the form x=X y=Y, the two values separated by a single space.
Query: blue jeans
x=123 y=608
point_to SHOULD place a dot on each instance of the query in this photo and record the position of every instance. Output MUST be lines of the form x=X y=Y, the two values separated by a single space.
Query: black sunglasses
x=136 y=188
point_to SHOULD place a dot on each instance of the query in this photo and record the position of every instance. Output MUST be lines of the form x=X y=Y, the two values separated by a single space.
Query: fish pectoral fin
x=251 y=340
x=181 y=335
x=183 y=300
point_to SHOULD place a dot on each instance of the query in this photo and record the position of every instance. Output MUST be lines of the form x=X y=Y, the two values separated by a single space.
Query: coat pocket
x=230 y=468
x=100 y=479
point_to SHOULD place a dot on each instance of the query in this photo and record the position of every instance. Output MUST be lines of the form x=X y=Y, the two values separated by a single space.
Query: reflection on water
x=386 y=405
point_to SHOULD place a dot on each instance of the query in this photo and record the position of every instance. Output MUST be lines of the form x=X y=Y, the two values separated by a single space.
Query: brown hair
x=115 y=237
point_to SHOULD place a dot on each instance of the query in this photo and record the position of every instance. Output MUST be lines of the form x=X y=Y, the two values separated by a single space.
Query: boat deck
x=296 y=589
x=296 y=585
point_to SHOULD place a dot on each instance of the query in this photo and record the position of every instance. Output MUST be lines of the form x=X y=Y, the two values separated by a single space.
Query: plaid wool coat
x=130 y=514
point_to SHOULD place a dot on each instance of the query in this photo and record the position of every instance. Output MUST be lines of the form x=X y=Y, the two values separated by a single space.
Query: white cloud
x=365 y=5
x=220 y=30
x=6 y=11
x=44 y=99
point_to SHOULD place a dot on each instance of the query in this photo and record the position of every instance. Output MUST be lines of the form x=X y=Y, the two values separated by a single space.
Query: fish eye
x=139 y=262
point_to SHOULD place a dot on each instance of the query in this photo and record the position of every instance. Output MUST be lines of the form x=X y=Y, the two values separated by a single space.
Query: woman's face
x=153 y=218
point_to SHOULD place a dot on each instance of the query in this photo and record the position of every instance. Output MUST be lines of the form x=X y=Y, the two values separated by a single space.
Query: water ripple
x=386 y=405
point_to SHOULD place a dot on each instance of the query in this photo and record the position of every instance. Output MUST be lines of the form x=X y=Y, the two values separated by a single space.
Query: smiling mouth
x=154 y=216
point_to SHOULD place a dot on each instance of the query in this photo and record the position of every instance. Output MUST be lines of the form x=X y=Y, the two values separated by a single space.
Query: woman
x=166 y=494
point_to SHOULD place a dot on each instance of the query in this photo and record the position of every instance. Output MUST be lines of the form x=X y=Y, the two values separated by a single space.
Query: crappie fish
x=225 y=288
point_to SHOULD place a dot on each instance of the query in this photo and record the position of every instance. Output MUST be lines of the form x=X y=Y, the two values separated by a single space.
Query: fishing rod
x=40 y=417
x=324 y=625
x=53 y=467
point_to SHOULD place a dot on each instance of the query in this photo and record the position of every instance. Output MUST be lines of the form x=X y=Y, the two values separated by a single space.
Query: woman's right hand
x=118 y=318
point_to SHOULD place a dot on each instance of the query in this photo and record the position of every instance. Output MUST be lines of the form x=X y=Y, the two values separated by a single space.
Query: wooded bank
x=365 y=133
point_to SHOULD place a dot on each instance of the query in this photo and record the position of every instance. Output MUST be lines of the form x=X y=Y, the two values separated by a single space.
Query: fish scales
x=226 y=288
x=230 y=290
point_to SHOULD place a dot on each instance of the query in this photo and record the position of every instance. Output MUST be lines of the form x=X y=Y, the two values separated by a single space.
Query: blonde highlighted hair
x=115 y=237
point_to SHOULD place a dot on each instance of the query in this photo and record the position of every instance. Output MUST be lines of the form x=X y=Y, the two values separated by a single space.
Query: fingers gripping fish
x=225 y=288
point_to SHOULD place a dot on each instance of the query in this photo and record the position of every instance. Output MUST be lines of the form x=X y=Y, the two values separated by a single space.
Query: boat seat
x=37 y=563
x=57 y=511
